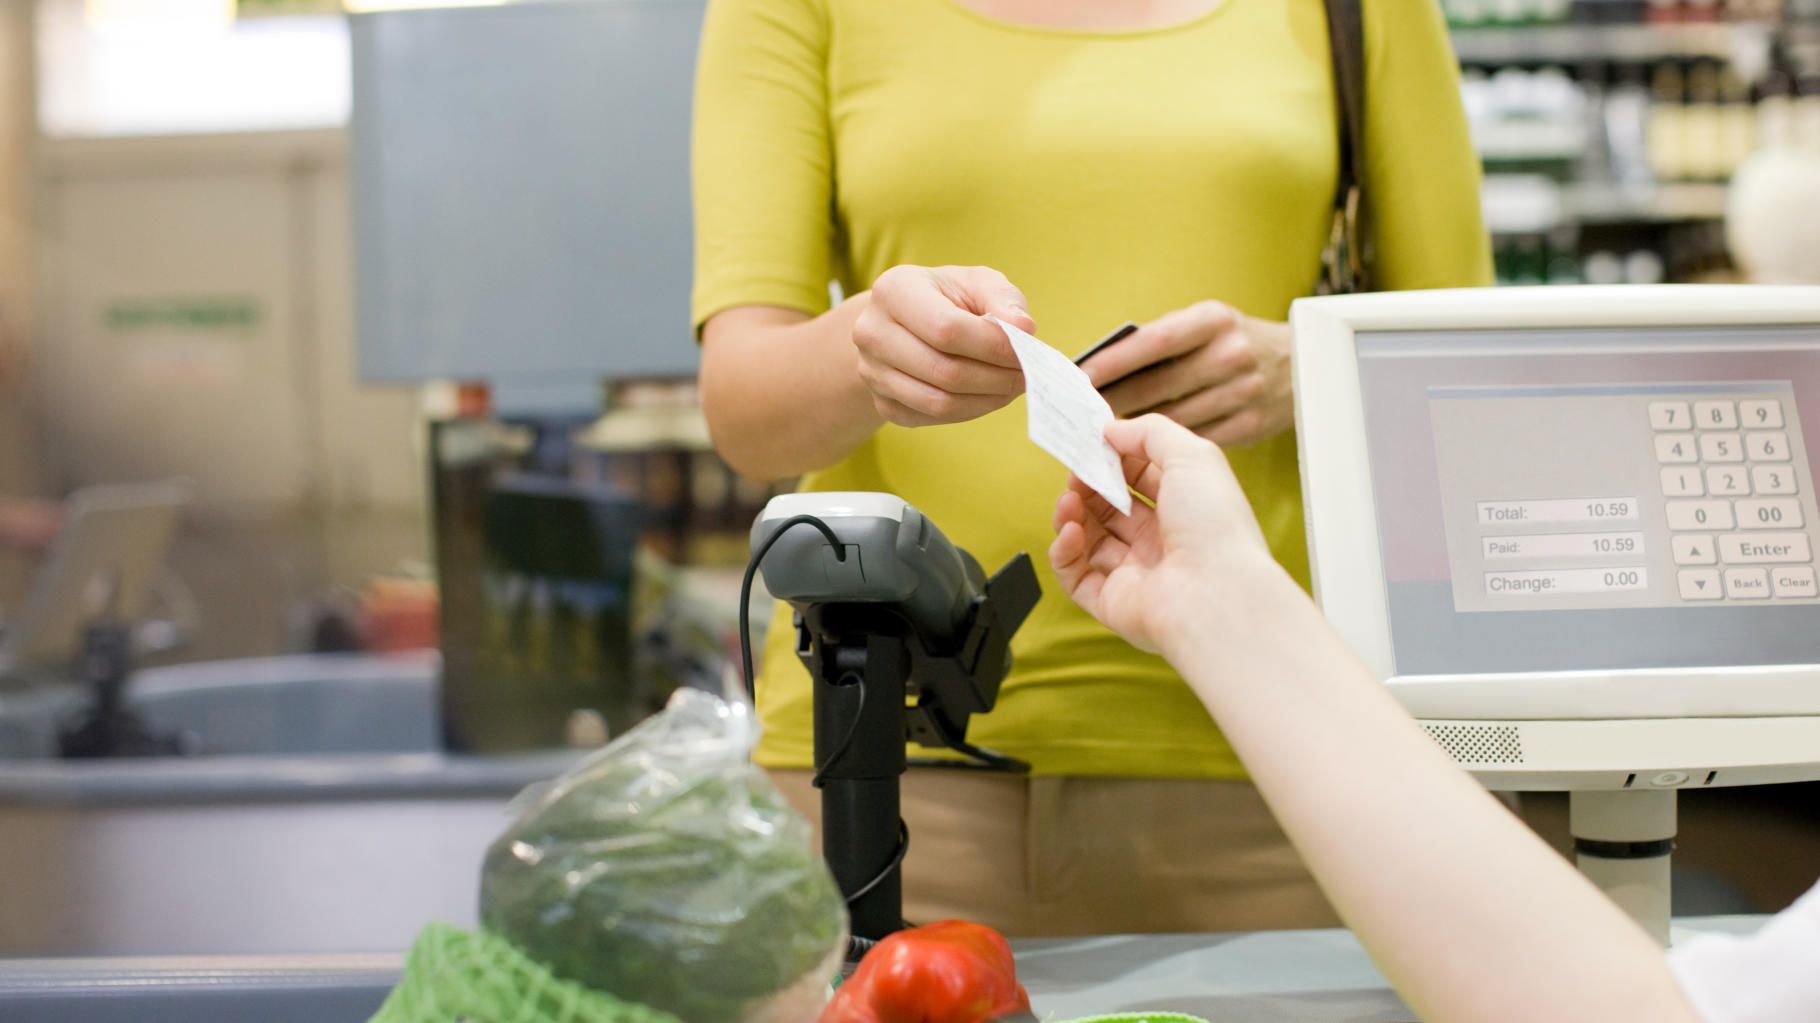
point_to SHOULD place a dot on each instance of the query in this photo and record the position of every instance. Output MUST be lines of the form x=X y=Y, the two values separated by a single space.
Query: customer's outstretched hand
x=1149 y=575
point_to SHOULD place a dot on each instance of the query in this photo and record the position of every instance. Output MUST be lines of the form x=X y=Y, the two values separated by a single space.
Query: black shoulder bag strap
x=1346 y=261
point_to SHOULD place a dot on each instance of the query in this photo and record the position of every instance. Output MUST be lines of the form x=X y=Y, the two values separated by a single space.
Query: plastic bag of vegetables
x=667 y=871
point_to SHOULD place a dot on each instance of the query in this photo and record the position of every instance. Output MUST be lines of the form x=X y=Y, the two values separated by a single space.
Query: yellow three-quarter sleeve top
x=1112 y=177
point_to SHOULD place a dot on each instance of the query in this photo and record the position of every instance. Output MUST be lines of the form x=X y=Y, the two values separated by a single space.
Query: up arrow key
x=1694 y=550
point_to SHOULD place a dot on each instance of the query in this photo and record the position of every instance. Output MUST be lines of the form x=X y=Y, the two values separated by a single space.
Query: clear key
x=1794 y=582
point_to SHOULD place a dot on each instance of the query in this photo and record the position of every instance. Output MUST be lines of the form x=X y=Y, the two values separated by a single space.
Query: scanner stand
x=866 y=663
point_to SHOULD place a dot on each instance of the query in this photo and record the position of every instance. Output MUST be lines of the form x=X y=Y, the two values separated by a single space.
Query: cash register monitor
x=106 y=555
x=1575 y=529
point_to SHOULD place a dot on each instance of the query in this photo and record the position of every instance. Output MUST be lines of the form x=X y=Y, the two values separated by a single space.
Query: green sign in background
x=197 y=314
x=285 y=8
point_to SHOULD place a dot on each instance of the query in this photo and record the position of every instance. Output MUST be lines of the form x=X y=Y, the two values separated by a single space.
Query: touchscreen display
x=1561 y=500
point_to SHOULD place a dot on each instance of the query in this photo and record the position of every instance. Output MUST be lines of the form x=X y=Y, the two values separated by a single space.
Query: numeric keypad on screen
x=1733 y=500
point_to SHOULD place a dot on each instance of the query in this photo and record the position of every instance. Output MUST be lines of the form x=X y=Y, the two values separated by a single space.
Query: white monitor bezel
x=1342 y=514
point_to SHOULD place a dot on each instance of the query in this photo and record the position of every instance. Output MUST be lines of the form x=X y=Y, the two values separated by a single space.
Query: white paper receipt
x=1068 y=417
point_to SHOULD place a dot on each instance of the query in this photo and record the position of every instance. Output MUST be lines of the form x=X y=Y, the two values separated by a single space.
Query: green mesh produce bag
x=457 y=976
x=665 y=871
x=474 y=977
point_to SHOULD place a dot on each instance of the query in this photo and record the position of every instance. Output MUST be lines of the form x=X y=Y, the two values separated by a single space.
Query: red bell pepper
x=947 y=972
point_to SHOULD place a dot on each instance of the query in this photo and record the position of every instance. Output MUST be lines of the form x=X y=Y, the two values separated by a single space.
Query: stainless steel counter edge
x=1312 y=976
x=162 y=782
x=28 y=978
x=270 y=989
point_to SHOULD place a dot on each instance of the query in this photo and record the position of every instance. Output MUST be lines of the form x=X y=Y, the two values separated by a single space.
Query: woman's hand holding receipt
x=1213 y=369
x=788 y=393
x=925 y=350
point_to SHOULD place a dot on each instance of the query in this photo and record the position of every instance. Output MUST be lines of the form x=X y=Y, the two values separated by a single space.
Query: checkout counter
x=1305 y=976
x=325 y=817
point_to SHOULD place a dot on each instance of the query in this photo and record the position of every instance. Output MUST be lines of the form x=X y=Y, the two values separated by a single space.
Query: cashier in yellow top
x=1067 y=165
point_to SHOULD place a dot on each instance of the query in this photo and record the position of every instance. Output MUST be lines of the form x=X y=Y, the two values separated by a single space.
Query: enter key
x=1765 y=548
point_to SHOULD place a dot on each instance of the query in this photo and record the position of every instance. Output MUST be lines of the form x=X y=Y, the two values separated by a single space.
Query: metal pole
x=859 y=741
x=1622 y=843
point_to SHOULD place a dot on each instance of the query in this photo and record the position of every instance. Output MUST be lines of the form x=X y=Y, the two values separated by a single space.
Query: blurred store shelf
x=1589 y=203
x=1575 y=44
x=1531 y=140
x=1528 y=204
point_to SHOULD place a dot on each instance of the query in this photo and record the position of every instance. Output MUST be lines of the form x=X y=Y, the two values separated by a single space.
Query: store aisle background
x=175 y=262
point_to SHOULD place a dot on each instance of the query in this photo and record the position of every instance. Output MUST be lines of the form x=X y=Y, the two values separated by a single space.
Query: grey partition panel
x=521 y=191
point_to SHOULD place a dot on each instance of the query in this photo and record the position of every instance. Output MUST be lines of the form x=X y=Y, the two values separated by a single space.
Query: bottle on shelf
x=1529 y=261
x=1738 y=121
x=1703 y=158
x=1665 y=132
x=1775 y=113
x=1464 y=13
x=1597 y=161
x=1563 y=257
x=1553 y=12
x=1603 y=267
x=1626 y=116
x=1512 y=12
x=1644 y=266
